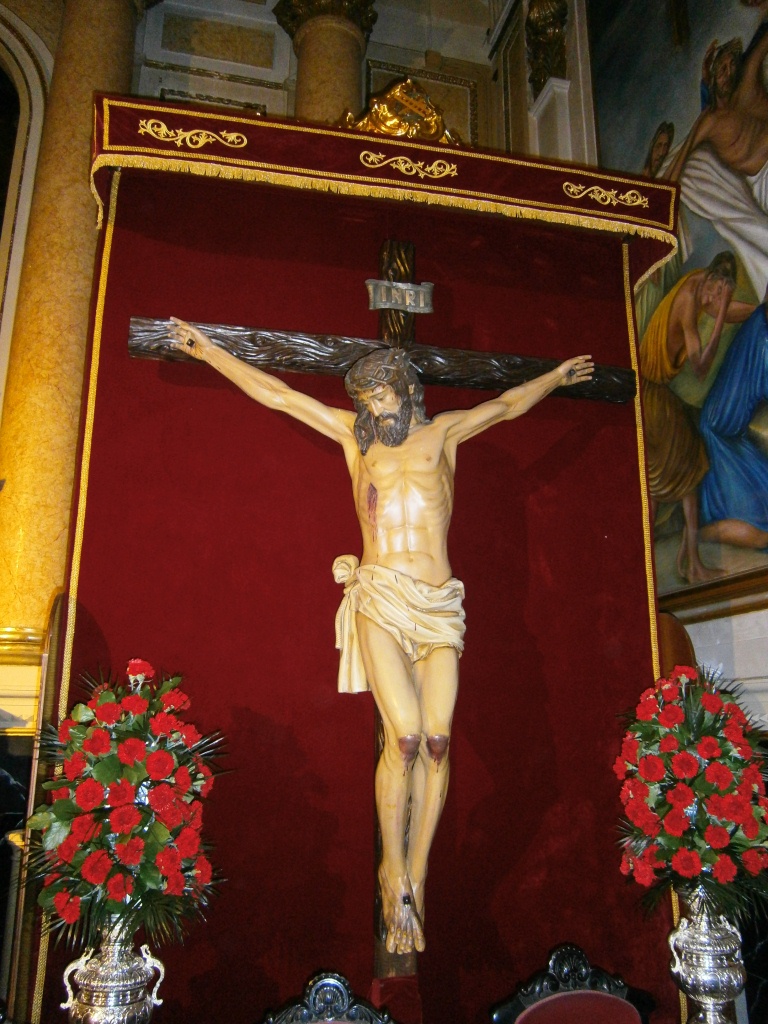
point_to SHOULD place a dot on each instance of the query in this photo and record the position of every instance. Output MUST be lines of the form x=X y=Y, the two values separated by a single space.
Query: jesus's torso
x=404 y=500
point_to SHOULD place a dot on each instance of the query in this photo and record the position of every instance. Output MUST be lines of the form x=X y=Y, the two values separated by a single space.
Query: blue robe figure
x=736 y=486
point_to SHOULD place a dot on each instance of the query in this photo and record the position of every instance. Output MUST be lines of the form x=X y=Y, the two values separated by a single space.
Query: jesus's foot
x=398 y=904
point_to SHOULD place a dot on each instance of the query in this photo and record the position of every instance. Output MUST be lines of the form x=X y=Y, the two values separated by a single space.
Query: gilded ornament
x=606 y=197
x=545 y=41
x=196 y=138
x=292 y=14
x=403 y=111
x=438 y=169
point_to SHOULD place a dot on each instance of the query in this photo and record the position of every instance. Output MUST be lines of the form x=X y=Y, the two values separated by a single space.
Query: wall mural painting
x=686 y=98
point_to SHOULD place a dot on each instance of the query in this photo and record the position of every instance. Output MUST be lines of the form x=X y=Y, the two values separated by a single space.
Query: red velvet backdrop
x=209 y=530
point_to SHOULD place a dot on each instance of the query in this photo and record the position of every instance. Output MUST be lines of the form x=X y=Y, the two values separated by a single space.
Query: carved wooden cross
x=332 y=355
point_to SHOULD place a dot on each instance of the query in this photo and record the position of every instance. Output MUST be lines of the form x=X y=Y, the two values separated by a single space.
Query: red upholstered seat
x=580 y=1007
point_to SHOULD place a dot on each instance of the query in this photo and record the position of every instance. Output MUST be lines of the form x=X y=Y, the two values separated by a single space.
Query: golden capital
x=545 y=41
x=292 y=14
x=142 y=6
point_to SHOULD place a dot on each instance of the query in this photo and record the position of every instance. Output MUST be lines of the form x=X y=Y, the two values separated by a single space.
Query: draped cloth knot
x=418 y=615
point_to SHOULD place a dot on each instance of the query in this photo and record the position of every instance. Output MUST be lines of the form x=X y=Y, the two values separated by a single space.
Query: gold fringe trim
x=379 y=189
x=86 y=456
x=646 y=508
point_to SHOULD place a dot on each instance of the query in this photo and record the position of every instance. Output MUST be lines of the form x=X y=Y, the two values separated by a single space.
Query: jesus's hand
x=189 y=339
x=576 y=371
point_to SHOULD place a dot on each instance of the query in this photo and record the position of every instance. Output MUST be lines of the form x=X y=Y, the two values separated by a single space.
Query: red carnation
x=160 y=764
x=163 y=724
x=750 y=827
x=64 y=729
x=629 y=748
x=168 y=860
x=182 y=779
x=647 y=709
x=130 y=853
x=119 y=886
x=96 y=867
x=124 y=818
x=651 y=768
x=174 y=700
x=718 y=775
x=89 y=795
x=641 y=815
x=188 y=842
x=676 y=822
x=620 y=768
x=683 y=673
x=735 y=713
x=668 y=743
x=132 y=750
x=174 y=886
x=108 y=712
x=717 y=837
x=161 y=796
x=686 y=863
x=724 y=869
x=643 y=873
x=671 y=716
x=75 y=765
x=711 y=702
x=684 y=765
x=98 y=743
x=134 y=704
x=60 y=794
x=708 y=748
x=634 y=789
x=203 y=870
x=681 y=795
x=121 y=792
x=194 y=814
x=67 y=907
x=171 y=816
x=67 y=848
x=733 y=732
x=670 y=691
x=138 y=667
x=190 y=735
x=752 y=861
x=84 y=828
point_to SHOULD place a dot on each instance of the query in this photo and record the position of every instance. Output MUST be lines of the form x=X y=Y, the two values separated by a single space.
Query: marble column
x=329 y=39
x=40 y=422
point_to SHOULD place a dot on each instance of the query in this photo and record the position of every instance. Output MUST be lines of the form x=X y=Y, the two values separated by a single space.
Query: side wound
x=373 y=496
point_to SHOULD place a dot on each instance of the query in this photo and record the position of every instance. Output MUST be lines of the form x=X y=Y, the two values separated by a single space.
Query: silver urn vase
x=113 y=982
x=706 y=961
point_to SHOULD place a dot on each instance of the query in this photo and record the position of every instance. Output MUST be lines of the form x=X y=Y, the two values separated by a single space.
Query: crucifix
x=400 y=626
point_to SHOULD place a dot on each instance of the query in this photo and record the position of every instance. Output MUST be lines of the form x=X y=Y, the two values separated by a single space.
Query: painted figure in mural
x=401 y=624
x=735 y=123
x=677 y=460
x=722 y=165
x=661 y=143
x=734 y=493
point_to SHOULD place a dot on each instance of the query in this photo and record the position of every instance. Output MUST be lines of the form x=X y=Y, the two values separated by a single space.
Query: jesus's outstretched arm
x=263 y=387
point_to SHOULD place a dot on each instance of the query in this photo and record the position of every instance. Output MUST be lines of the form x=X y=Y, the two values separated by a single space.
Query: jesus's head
x=387 y=396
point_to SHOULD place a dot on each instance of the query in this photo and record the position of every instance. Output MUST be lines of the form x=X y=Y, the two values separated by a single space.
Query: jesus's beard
x=392 y=428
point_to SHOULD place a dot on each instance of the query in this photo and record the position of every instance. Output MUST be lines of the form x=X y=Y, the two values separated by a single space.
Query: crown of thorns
x=381 y=367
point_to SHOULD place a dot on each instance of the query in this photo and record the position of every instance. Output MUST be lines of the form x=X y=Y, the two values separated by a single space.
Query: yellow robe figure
x=677 y=460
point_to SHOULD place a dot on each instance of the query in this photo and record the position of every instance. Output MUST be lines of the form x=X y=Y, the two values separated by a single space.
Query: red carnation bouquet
x=694 y=798
x=122 y=833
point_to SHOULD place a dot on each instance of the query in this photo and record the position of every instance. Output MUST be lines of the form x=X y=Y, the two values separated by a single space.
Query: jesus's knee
x=438 y=747
x=409 y=748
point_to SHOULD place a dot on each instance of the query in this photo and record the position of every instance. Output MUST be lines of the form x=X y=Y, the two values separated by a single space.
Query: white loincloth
x=419 y=616
x=758 y=186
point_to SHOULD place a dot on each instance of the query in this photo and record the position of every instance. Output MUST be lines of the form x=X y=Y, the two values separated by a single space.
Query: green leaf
x=108 y=770
x=150 y=876
x=41 y=819
x=135 y=773
x=56 y=834
x=82 y=713
x=159 y=833
x=65 y=810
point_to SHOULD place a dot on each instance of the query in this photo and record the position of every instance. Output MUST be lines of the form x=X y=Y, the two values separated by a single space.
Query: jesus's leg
x=390 y=675
x=437 y=679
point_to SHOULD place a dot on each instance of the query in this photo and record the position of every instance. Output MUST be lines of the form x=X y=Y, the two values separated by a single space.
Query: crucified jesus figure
x=401 y=624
